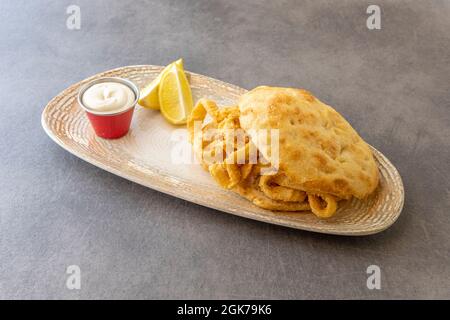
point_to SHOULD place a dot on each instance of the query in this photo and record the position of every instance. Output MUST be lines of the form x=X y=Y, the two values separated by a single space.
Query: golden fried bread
x=319 y=152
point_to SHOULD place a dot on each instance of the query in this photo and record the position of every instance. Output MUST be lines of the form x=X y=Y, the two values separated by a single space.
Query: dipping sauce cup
x=115 y=123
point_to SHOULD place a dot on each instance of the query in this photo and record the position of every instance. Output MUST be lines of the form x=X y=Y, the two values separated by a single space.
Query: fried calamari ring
x=225 y=122
x=246 y=169
x=220 y=175
x=227 y=170
x=198 y=114
x=226 y=175
x=270 y=204
x=323 y=205
x=233 y=170
x=228 y=113
x=259 y=199
x=277 y=192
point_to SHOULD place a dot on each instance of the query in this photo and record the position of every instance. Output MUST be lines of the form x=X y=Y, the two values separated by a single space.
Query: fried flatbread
x=319 y=152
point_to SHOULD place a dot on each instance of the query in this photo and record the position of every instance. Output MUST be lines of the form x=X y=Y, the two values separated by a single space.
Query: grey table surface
x=129 y=241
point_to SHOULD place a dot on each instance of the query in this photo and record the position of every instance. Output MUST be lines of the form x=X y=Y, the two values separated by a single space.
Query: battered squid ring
x=209 y=153
x=201 y=109
x=261 y=200
x=196 y=137
x=238 y=162
x=246 y=169
x=242 y=159
x=315 y=202
x=223 y=119
x=197 y=114
x=228 y=173
x=228 y=113
x=279 y=192
x=220 y=174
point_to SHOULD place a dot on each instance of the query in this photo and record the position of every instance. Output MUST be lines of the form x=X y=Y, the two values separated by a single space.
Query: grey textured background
x=133 y=242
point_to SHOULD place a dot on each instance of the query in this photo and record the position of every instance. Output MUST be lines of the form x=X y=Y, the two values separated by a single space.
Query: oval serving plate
x=144 y=156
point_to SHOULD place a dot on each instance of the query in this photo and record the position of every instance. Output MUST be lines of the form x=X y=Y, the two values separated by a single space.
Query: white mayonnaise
x=108 y=97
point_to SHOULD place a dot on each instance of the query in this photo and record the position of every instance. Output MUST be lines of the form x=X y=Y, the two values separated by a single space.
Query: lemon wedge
x=175 y=96
x=149 y=96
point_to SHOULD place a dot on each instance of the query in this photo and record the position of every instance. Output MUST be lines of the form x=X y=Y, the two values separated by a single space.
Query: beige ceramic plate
x=143 y=156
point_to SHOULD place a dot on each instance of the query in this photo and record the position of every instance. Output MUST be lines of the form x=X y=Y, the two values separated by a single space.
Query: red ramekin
x=110 y=125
